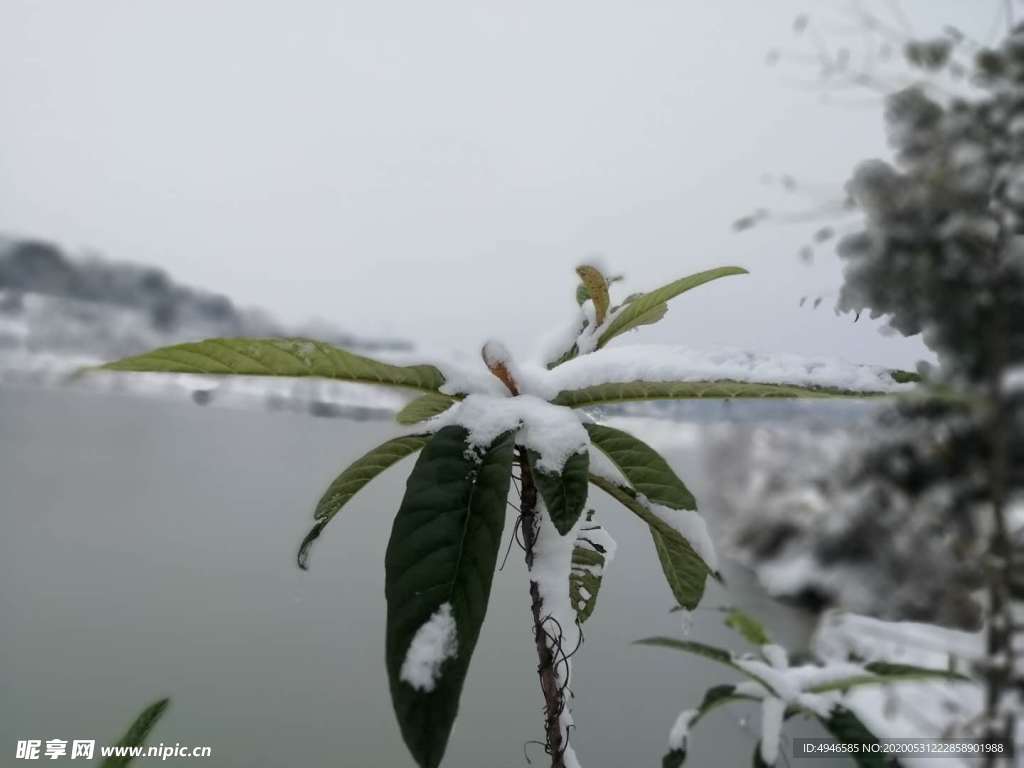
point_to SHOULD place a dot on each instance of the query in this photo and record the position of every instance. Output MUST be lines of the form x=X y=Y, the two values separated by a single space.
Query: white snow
x=772 y=712
x=681 y=729
x=555 y=432
x=662 y=363
x=434 y=642
x=689 y=525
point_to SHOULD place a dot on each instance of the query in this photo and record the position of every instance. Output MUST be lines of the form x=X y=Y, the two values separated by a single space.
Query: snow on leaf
x=435 y=642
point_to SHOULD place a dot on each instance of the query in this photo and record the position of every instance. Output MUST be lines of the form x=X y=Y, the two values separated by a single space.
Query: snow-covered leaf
x=137 y=732
x=642 y=466
x=279 y=357
x=714 y=697
x=748 y=627
x=564 y=493
x=631 y=314
x=424 y=407
x=625 y=391
x=684 y=569
x=882 y=673
x=351 y=481
x=442 y=552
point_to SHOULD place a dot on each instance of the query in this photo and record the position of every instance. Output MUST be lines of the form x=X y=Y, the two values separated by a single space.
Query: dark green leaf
x=684 y=569
x=846 y=728
x=279 y=357
x=747 y=626
x=424 y=407
x=640 y=307
x=757 y=761
x=351 y=481
x=673 y=758
x=642 y=466
x=443 y=549
x=137 y=732
x=564 y=493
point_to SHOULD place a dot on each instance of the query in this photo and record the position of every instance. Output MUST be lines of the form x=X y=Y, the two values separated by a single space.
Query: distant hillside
x=59 y=313
x=51 y=303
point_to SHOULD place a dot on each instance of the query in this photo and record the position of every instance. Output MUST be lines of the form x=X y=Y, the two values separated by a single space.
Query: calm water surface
x=147 y=550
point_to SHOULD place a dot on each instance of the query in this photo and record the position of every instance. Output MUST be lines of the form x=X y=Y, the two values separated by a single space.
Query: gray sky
x=434 y=170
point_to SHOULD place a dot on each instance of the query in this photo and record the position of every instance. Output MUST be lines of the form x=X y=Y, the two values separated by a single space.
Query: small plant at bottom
x=811 y=689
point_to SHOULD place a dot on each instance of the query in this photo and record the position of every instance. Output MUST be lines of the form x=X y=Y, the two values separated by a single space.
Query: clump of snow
x=553 y=431
x=772 y=713
x=495 y=353
x=688 y=524
x=681 y=730
x=434 y=642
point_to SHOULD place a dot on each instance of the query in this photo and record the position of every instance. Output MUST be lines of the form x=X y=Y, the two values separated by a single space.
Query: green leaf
x=626 y=391
x=882 y=673
x=712 y=652
x=443 y=549
x=714 y=697
x=846 y=728
x=424 y=407
x=684 y=569
x=587 y=571
x=565 y=492
x=642 y=306
x=351 y=481
x=748 y=627
x=642 y=466
x=757 y=761
x=279 y=357
x=137 y=732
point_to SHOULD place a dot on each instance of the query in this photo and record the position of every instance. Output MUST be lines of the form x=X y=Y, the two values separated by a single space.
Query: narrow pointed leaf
x=279 y=357
x=442 y=552
x=881 y=673
x=597 y=290
x=641 y=306
x=351 y=481
x=424 y=407
x=565 y=492
x=749 y=628
x=642 y=466
x=723 y=389
x=587 y=571
x=137 y=732
x=684 y=570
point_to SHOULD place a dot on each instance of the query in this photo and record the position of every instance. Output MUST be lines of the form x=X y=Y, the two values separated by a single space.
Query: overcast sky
x=434 y=170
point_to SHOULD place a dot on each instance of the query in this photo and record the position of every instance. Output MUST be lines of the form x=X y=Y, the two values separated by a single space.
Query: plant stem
x=549 y=685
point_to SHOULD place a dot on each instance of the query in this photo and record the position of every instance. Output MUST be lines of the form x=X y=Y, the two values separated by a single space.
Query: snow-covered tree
x=480 y=432
x=930 y=500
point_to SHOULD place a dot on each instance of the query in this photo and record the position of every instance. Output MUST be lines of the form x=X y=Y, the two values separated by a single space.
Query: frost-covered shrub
x=518 y=425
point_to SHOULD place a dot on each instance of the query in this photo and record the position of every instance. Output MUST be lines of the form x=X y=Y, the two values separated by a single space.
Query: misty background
x=433 y=171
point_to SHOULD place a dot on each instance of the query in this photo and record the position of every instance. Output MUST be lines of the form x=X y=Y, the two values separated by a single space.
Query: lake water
x=148 y=549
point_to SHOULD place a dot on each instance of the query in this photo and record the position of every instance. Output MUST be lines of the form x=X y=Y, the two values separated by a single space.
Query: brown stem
x=554 y=699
